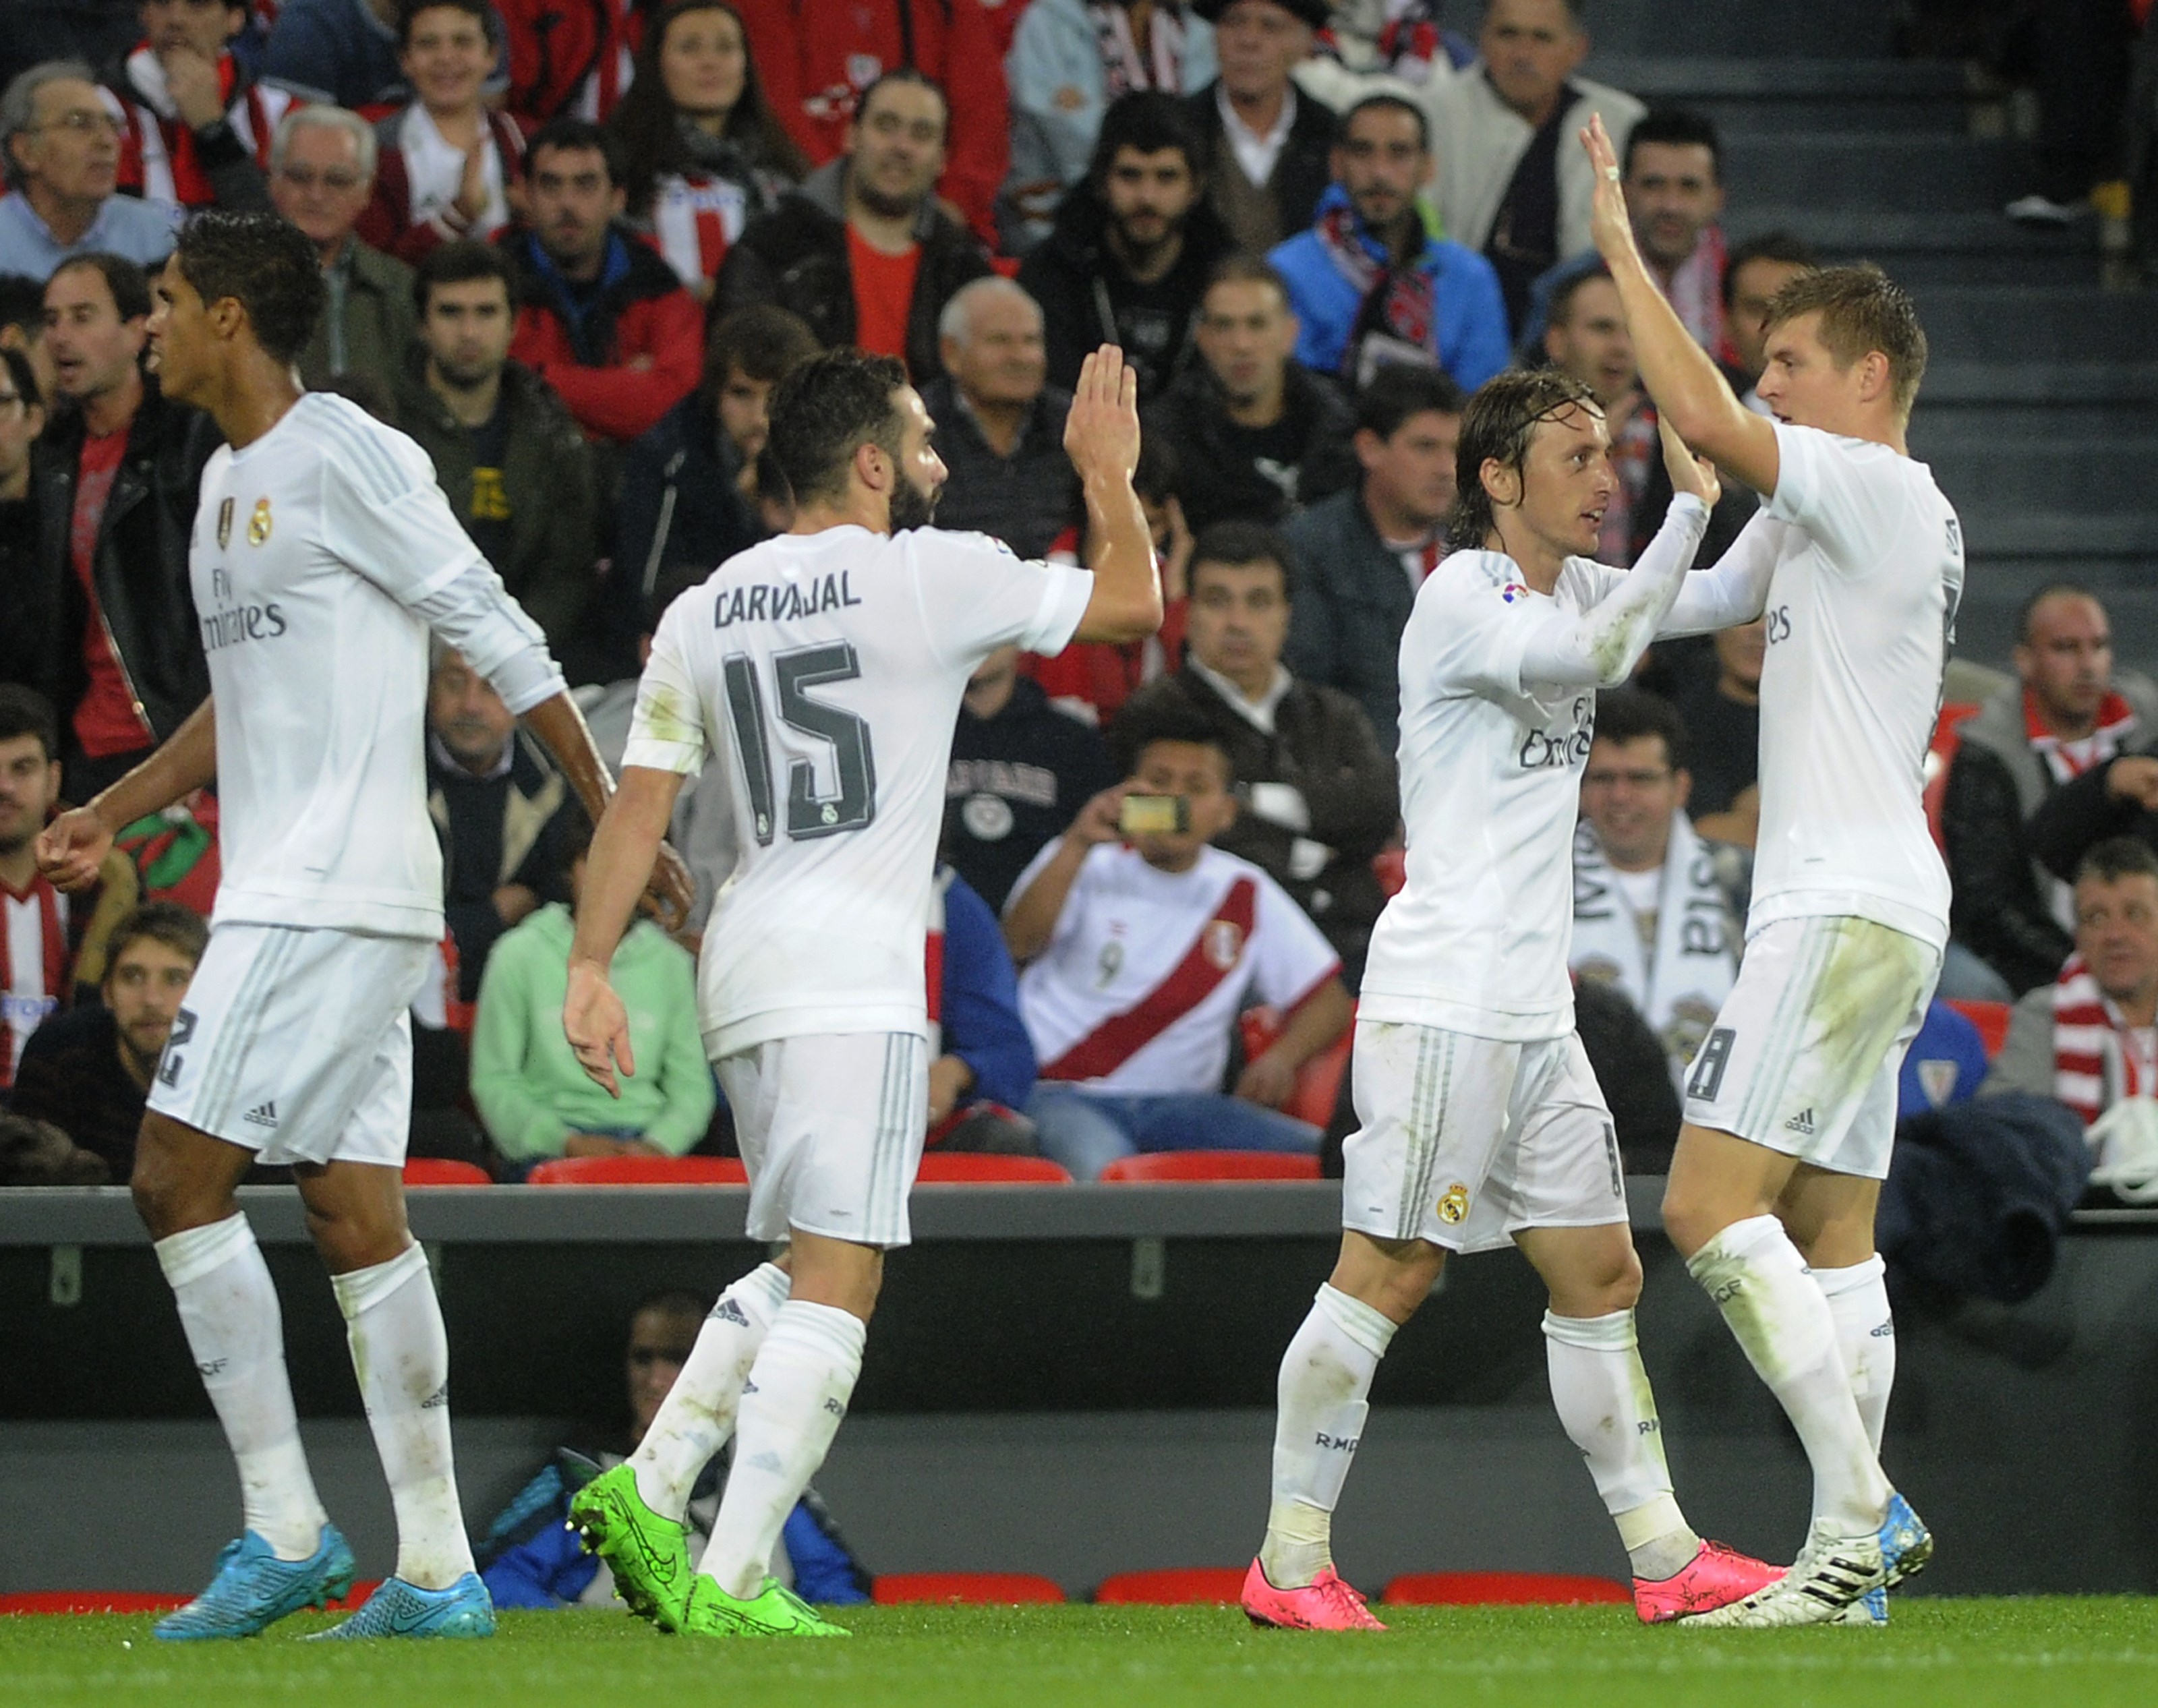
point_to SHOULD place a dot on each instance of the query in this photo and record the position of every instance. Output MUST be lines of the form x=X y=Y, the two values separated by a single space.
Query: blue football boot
x=401 y=1609
x=254 y=1589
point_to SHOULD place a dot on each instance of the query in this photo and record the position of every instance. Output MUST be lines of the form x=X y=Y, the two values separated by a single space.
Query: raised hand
x=1689 y=473
x=1102 y=434
x=1608 y=222
x=192 y=81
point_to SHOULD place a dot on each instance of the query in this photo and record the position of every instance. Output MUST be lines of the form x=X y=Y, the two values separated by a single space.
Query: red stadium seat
x=977 y=1168
x=1318 y=1082
x=1940 y=754
x=974 y=1588
x=1215 y=1165
x=1991 y=1020
x=640 y=1171
x=440 y=1171
x=1177 y=1586
x=1476 y=1589
x=88 y=1601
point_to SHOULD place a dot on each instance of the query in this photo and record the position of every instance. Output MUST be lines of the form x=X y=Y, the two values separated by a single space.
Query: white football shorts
x=1466 y=1141
x=1803 y=1054
x=297 y=1044
x=831 y=1127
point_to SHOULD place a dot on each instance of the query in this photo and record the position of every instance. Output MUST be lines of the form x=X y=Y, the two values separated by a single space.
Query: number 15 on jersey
x=794 y=674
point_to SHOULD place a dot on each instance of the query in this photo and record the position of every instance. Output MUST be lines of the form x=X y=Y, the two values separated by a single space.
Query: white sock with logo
x=1865 y=1335
x=393 y=1327
x=697 y=1414
x=236 y=1332
x=1603 y=1396
x=1782 y=1321
x=1325 y=1374
x=790 y=1408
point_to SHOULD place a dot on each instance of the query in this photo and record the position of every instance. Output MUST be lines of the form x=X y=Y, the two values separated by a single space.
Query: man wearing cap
x=1270 y=148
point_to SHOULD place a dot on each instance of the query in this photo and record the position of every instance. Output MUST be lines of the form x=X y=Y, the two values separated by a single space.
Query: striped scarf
x=2093 y=1064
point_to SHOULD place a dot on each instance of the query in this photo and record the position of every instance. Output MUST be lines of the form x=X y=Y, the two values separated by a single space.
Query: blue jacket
x=979 y=1010
x=1470 y=321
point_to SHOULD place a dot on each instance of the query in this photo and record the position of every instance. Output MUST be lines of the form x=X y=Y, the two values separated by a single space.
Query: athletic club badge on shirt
x=1224 y=943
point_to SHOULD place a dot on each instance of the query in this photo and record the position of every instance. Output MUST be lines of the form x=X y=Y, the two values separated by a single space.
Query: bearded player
x=1790 y=1108
x=323 y=555
x=824 y=671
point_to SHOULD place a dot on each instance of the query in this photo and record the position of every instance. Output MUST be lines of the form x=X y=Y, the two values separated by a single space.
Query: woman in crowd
x=706 y=155
x=450 y=165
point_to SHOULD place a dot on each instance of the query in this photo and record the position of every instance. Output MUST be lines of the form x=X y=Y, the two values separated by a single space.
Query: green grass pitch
x=2074 y=1652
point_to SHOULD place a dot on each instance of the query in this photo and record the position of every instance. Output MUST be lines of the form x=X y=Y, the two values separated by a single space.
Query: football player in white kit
x=1856 y=560
x=1483 y=1125
x=324 y=554
x=823 y=670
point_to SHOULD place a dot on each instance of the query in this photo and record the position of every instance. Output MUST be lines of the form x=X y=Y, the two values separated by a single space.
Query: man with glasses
x=322 y=174
x=60 y=144
x=1657 y=906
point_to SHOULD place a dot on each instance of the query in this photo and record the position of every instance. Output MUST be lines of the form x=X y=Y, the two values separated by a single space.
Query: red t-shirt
x=106 y=721
x=884 y=295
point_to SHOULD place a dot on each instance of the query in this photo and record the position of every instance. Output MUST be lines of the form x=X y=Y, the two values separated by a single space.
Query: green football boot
x=775 y=1611
x=648 y=1555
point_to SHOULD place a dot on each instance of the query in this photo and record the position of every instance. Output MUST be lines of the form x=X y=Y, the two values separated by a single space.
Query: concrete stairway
x=2039 y=411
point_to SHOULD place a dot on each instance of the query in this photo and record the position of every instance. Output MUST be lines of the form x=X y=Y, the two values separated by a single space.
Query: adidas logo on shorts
x=262 y=1115
x=1802 y=1123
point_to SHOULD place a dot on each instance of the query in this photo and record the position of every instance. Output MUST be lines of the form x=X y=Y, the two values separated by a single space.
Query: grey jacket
x=1350 y=600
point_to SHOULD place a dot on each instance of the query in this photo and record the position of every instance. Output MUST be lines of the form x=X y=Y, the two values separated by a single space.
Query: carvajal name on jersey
x=779 y=602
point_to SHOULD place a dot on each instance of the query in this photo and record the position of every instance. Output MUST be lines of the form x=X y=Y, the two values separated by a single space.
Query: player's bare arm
x=74 y=845
x=1689 y=391
x=628 y=838
x=1102 y=437
x=562 y=728
x=1031 y=920
x=1319 y=1019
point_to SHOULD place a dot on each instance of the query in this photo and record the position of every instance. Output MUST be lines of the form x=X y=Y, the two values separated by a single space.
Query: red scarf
x=2085 y=1021
x=2116 y=718
x=1402 y=302
x=157 y=155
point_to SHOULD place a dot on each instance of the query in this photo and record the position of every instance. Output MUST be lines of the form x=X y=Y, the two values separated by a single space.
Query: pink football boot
x=1714 y=1578
x=1325 y=1604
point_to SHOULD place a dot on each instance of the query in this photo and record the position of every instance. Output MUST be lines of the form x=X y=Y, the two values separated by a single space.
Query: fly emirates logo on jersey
x=231 y=620
x=1557 y=748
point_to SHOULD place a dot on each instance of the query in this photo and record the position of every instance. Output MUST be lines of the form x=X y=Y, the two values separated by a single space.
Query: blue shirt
x=1468 y=317
x=142 y=230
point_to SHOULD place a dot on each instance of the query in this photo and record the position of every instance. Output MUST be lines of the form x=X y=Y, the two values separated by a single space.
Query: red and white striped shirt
x=33 y=965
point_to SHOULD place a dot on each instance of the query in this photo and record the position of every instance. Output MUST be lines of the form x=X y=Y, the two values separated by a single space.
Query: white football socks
x=1865 y=1335
x=1603 y=1396
x=1325 y=1376
x=394 y=1326
x=229 y=1309
x=697 y=1414
x=1782 y=1321
x=791 y=1407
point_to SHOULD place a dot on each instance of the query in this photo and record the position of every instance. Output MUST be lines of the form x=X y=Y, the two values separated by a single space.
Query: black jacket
x=1349 y=603
x=551 y=483
x=22 y=649
x=796 y=257
x=1216 y=482
x=1016 y=780
x=1305 y=168
x=1087 y=299
x=140 y=567
x=2078 y=815
x=495 y=831
x=1322 y=745
x=1997 y=912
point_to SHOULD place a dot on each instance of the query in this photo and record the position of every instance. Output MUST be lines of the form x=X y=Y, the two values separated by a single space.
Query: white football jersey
x=311 y=547
x=825 y=671
x=1147 y=970
x=1862 y=609
x=1477 y=940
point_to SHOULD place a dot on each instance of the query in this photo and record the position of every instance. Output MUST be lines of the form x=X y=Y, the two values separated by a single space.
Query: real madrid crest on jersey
x=1455 y=1205
x=258 y=524
x=225 y=524
x=1223 y=942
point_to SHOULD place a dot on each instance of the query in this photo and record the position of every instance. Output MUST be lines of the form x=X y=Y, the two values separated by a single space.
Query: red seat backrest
x=1318 y=1082
x=1458 y=1589
x=977 y=1168
x=440 y=1171
x=976 y=1588
x=1203 y=1165
x=640 y=1171
x=1991 y=1017
x=1176 y=1586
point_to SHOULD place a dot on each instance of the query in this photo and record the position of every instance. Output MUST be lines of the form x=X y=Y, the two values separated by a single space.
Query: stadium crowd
x=571 y=248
